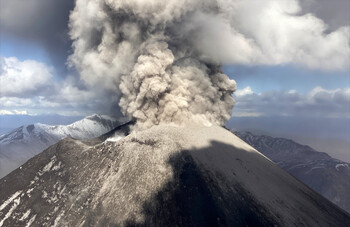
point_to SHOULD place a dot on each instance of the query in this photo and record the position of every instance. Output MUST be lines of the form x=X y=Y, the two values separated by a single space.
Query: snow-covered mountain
x=328 y=176
x=26 y=141
x=163 y=176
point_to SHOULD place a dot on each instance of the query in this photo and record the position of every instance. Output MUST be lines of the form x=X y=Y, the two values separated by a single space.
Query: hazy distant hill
x=328 y=176
x=26 y=141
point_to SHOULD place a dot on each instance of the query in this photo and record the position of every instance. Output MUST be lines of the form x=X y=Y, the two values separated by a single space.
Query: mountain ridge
x=328 y=176
x=162 y=176
x=22 y=143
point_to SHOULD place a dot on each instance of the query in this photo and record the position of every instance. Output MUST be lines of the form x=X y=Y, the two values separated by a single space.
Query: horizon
x=185 y=113
x=312 y=134
x=278 y=91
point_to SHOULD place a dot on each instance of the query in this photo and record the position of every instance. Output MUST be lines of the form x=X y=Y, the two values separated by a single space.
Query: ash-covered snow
x=9 y=200
x=27 y=141
x=343 y=165
x=25 y=215
x=162 y=176
x=58 y=218
x=328 y=176
x=31 y=220
x=15 y=204
x=87 y=128
x=48 y=166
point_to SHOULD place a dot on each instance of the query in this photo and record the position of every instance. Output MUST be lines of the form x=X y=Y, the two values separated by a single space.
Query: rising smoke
x=163 y=57
x=139 y=48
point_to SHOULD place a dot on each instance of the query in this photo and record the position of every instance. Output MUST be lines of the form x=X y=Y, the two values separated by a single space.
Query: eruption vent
x=145 y=51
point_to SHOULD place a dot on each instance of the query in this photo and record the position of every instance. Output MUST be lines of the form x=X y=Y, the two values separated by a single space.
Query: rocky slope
x=26 y=141
x=328 y=176
x=163 y=176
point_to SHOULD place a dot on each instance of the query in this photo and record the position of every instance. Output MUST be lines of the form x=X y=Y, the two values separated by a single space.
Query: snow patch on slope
x=341 y=165
x=25 y=215
x=89 y=127
x=16 y=202
x=10 y=199
x=27 y=141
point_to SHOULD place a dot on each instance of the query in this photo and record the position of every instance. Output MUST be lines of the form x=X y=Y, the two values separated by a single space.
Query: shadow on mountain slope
x=192 y=199
x=217 y=185
x=198 y=196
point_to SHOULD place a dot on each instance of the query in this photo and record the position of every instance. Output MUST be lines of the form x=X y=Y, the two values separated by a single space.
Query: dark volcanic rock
x=164 y=176
x=328 y=176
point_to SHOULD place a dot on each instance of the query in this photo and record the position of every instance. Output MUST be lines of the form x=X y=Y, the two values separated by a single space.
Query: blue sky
x=13 y=46
x=309 y=76
x=286 y=77
x=259 y=78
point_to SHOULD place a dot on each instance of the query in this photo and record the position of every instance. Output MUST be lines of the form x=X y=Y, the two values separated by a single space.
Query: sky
x=295 y=63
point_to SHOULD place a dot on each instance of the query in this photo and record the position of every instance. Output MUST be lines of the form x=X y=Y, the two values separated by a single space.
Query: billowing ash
x=147 y=51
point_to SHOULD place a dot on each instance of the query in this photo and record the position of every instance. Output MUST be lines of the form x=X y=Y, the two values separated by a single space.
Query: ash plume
x=163 y=57
x=141 y=50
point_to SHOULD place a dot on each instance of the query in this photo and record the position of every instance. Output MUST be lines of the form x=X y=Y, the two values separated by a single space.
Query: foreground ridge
x=326 y=175
x=163 y=176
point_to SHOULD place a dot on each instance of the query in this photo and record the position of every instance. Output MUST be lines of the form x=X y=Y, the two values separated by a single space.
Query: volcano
x=162 y=176
x=21 y=144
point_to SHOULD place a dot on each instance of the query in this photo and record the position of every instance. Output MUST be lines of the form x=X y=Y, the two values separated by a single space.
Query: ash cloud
x=42 y=22
x=135 y=48
x=163 y=58
x=334 y=13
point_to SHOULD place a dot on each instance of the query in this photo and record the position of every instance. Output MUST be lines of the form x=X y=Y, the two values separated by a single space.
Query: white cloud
x=250 y=32
x=29 y=87
x=13 y=112
x=15 y=102
x=246 y=114
x=335 y=13
x=317 y=102
x=24 y=78
x=73 y=94
x=270 y=32
x=337 y=96
x=68 y=101
x=244 y=91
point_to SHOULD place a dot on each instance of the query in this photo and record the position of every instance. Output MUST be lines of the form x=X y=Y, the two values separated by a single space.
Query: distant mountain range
x=328 y=176
x=21 y=144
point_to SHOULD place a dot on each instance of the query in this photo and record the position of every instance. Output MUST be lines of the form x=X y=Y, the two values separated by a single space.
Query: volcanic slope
x=23 y=143
x=163 y=176
x=326 y=175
